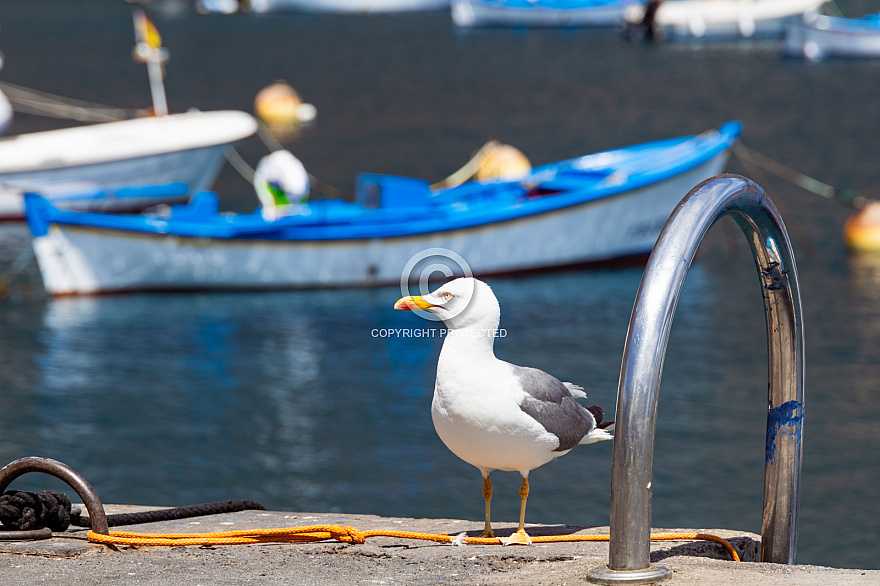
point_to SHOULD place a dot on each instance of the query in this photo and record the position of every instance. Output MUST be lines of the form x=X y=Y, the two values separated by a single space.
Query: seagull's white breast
x=477 y=415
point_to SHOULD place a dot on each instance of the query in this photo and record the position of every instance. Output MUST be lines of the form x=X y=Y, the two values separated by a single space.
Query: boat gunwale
x=237 y=241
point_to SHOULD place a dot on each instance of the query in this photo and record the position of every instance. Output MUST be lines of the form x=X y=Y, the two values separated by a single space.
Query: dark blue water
x=289 y=399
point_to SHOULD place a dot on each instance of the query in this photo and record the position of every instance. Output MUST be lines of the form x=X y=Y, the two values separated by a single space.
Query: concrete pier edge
x=69 y=557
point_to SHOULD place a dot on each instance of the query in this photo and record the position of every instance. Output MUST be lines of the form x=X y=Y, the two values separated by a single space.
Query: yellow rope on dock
x=312 y=533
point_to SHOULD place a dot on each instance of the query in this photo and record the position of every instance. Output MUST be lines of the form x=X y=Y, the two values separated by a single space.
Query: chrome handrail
x=633 y=453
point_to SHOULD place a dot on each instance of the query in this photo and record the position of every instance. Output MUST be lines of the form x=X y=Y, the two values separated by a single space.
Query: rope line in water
x=752 y=159
x=313 y=533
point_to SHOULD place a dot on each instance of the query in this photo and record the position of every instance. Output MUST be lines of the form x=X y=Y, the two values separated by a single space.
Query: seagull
x=492 y=414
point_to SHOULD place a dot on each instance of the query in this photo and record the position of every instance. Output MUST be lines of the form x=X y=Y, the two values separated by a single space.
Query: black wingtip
x=598 y=414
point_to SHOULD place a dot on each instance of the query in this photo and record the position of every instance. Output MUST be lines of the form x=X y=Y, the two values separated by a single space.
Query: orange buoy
x=861 y=232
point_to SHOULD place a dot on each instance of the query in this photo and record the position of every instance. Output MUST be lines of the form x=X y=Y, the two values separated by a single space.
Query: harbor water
x=320 y=400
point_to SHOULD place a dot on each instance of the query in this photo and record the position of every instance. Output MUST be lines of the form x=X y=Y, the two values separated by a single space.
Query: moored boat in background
x=186 y=148
x=818 y=35
x=540 y=12
x=603 y=207
x=718 y=19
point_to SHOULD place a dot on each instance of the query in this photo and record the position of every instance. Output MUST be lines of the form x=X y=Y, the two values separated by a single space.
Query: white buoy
x=281 y=183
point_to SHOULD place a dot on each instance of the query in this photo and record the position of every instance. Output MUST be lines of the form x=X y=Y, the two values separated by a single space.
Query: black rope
x=173 y=514
x=24 y=511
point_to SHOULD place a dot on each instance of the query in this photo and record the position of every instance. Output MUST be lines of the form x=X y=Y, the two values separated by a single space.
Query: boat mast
x=150 y=51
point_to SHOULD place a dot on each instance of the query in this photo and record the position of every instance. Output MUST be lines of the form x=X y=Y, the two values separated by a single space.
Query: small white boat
x=347 y=6
x=604 y=207
x=550 y=13
x=181 y=148
x=720 y=19
x=817 y=35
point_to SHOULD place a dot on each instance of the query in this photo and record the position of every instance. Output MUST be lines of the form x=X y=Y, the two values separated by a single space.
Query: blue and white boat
x=817 y=35
x=608 y=206
x=548 y=13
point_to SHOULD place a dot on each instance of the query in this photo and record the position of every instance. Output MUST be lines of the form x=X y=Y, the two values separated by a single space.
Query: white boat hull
x=77 y=260
x=469 y=13
x=815 y=37
x=723 y=19
x=187 y=148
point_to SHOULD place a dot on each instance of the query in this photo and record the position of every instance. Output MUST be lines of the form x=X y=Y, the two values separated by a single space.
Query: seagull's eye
x=447 y=295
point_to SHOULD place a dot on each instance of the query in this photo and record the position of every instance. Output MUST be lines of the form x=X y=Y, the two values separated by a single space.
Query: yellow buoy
x=494 y=159
x=861 y=232
x=278 y=104
x=505 y=162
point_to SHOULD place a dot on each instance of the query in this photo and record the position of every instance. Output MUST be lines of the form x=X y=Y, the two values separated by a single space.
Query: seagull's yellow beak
x=413 y=302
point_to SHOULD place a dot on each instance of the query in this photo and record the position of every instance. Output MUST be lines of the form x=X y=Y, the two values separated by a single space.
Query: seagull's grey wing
x=550 y=403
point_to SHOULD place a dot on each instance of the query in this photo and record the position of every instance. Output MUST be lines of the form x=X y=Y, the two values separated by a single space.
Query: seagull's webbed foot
x=520 y=537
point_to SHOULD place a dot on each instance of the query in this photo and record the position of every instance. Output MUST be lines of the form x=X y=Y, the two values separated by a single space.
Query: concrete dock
x=69 y=558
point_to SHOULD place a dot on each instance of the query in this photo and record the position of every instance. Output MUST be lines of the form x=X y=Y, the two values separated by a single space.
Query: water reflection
x=183 y=385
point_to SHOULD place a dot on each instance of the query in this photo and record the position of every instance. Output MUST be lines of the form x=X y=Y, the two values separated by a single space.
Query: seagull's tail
x=596 y=435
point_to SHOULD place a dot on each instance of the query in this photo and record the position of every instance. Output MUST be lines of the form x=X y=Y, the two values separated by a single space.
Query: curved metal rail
x=59 y=470
x=645 y=349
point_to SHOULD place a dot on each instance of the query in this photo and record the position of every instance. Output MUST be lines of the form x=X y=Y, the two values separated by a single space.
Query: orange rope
x=313 y=533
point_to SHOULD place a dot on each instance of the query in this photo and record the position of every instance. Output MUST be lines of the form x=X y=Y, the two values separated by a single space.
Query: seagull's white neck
x=471 y=327
x=475 y=341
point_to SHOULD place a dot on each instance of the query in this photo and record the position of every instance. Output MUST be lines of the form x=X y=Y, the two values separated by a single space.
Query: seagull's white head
x=464 y=303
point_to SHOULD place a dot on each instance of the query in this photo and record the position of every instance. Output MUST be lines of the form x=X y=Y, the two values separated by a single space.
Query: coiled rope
x=22 y=511
x=353 y=535
x=25 y=511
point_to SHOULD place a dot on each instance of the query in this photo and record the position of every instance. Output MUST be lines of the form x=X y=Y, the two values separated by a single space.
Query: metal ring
x=30 y=535
x=64 y=472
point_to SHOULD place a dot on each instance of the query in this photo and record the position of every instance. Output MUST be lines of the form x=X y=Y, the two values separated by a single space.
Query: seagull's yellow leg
x=521 y=537
x=487 y=494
